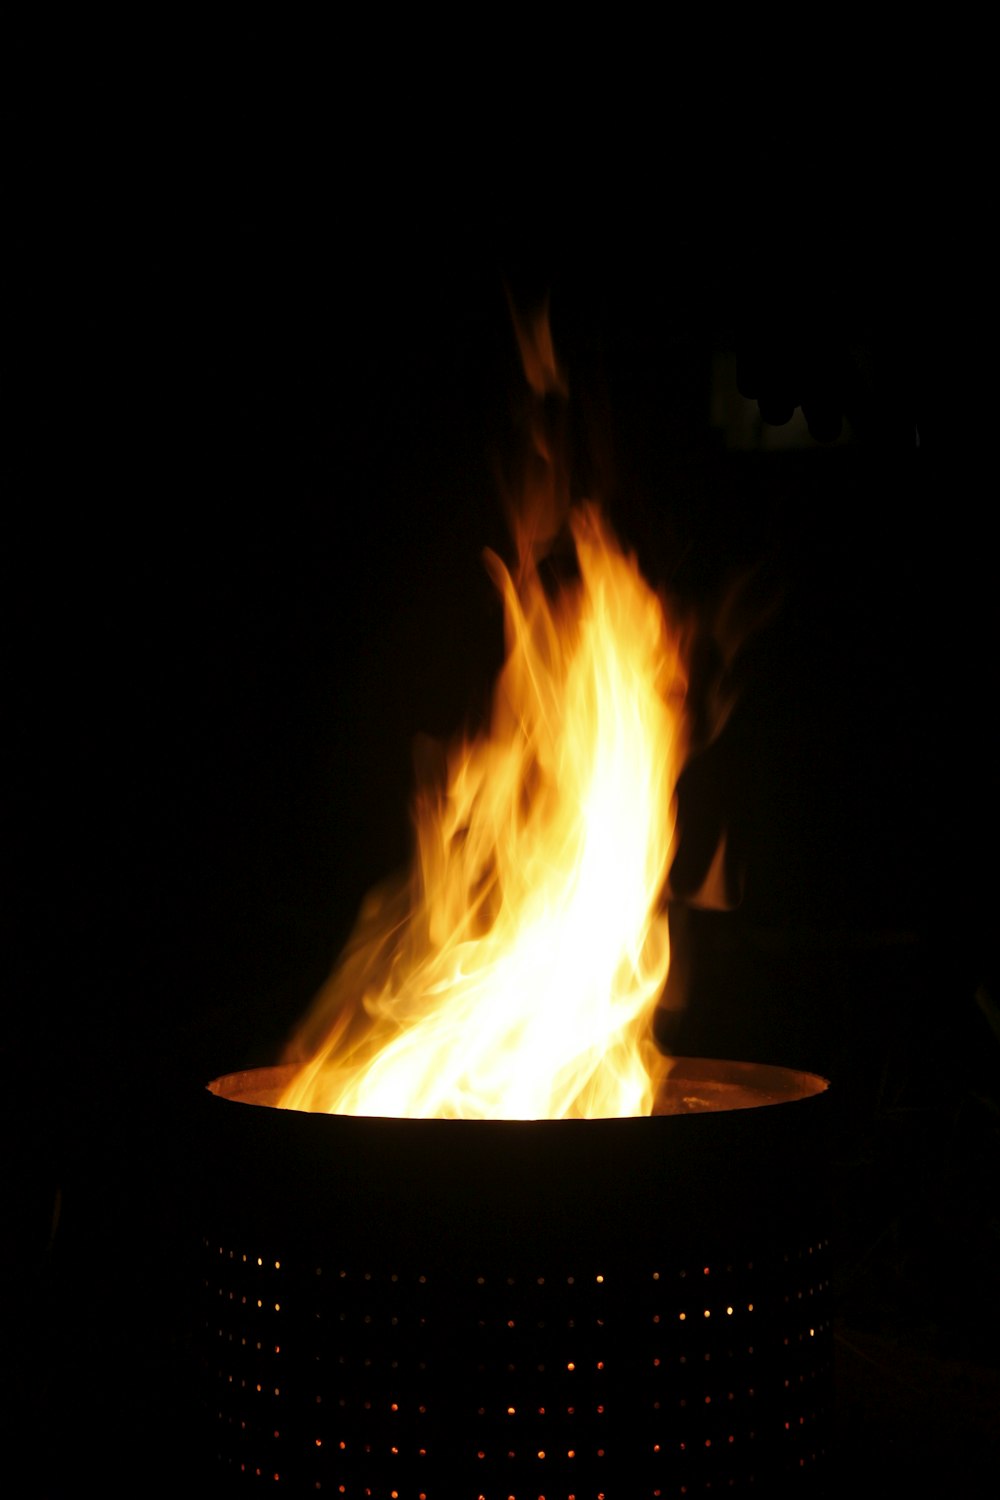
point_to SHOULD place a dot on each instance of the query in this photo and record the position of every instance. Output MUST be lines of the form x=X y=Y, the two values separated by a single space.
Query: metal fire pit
x=502 y=1310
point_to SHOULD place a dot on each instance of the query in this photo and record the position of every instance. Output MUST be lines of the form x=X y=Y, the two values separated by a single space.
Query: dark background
x=260 y=398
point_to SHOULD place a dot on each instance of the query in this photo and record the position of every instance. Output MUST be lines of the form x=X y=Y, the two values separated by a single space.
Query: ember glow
x=513 y=973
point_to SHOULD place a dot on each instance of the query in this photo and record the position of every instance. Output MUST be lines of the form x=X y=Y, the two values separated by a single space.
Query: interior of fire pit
x=695 y=1085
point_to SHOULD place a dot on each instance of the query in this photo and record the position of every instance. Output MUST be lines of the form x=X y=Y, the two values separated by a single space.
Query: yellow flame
x=514 y=974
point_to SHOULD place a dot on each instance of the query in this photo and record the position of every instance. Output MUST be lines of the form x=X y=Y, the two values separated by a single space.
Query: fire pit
x=477 y=1310
x=482 y=1241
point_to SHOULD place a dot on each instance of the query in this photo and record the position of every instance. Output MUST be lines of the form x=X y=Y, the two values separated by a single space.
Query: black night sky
x=260 y=400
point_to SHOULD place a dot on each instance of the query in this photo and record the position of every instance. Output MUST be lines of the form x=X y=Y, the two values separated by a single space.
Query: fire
x=514 y=972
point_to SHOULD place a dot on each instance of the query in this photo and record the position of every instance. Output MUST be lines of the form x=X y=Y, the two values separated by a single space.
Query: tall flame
x=513 y=974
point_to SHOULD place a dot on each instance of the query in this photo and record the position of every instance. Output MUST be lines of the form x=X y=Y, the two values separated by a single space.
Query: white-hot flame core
x=516 y=975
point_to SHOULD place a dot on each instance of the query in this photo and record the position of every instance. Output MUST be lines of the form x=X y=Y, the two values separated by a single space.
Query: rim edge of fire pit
x=738 y=1085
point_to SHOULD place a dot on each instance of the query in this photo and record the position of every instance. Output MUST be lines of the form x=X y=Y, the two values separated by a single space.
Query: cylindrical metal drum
x=621 y=1309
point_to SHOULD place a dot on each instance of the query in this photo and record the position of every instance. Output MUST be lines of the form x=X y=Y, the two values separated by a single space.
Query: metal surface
x=454 y=1310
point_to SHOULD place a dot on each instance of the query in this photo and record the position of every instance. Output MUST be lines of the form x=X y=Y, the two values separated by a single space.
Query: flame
x=514 y=972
